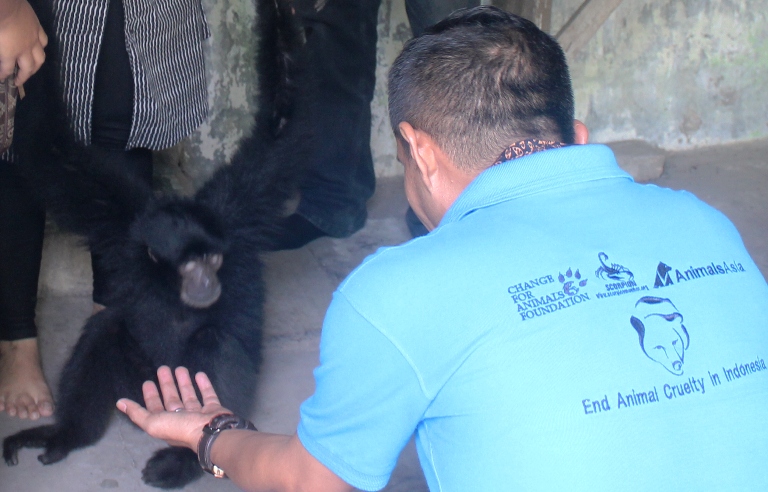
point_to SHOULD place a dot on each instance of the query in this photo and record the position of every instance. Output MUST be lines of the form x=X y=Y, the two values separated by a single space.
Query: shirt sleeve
x=367 y=402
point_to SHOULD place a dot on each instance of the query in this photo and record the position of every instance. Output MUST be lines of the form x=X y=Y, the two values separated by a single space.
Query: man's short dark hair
x=479 y=81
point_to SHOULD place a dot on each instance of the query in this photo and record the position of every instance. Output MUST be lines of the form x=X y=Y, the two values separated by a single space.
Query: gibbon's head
x=185 y=242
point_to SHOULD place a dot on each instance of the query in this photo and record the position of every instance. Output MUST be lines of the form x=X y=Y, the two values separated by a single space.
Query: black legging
x=22 y=220
x=111 y=127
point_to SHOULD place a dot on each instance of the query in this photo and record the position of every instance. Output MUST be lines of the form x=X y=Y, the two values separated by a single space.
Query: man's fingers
x=151 y=397
x=187 y=389
x=134 y=411
x=206 y=389
x=168 y=389
x=164 y=374
x=160 y=420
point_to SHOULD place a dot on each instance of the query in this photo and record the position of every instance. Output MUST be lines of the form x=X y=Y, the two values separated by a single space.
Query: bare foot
x=23 y=390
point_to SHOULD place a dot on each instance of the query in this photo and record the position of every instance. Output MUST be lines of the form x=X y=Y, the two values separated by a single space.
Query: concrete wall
x=230 y=55
x=394 y=31
x=676 y=73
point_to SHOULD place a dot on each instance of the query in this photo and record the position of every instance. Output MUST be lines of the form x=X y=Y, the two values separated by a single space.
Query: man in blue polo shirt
x=560 y=328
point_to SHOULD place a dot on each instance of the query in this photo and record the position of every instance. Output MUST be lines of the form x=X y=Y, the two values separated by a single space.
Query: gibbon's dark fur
x=189 y=289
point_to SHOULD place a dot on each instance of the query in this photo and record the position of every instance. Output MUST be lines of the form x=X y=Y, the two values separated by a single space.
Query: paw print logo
x=570 y=281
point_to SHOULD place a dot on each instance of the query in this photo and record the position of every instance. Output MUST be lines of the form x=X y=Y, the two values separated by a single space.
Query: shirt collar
x=527 y=147
x=533 y=174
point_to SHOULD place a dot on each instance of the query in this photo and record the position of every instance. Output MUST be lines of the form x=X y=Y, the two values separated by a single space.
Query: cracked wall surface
x=232 y=90
x=676 y=73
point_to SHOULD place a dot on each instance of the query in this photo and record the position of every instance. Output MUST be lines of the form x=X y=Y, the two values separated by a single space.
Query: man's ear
x=408 y=134
x=422 y=151
x=581 y=133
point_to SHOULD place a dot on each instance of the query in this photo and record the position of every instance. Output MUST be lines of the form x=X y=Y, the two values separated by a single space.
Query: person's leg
x=23 y=389
x=340 y=179
x=111 y=125
x=136 y=162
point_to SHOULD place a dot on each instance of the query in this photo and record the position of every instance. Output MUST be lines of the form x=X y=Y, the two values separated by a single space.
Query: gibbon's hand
x=180 y=422
x=22 y=40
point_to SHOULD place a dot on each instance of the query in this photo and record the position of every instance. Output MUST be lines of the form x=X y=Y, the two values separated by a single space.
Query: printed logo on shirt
x=665 y=275
x=664 y=341
x=614 y=272
x=618 y=279
x=663 y=336
x=662 y=276
x=540 y=296
x=571 y=282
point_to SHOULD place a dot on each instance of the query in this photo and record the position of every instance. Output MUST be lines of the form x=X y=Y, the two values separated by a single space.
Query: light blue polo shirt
x=564 y=328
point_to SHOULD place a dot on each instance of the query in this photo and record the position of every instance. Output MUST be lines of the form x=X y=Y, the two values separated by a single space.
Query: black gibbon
x=188 y=287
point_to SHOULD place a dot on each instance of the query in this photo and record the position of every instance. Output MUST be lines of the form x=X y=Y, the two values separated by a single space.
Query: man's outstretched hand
x=253 y=460
x=178 y=417
x=22 y=41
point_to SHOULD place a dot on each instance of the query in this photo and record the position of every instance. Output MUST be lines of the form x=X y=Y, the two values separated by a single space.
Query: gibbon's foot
x=172 y=468
x=24 y=392
x=296 y=231
x=48 y=437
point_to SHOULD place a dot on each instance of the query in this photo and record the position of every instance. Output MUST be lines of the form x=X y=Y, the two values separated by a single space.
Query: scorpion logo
x=615 y=272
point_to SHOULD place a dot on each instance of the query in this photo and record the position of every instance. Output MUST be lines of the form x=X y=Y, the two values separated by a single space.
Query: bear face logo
x=663 y=336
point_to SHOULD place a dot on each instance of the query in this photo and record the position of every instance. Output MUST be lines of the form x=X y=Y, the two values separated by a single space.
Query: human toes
x=26 y=408
x=45 y=407
x=9 y=407
x=23 y=407
x=29 y=407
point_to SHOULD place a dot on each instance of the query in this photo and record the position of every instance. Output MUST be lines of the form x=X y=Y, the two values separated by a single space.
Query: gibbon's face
x=200 y=286
x=181 y=239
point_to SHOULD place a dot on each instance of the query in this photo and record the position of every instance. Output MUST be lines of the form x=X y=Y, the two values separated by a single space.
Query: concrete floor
x=733 y=178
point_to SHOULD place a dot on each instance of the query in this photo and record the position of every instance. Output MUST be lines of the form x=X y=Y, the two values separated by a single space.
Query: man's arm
x=275 y=462
x=255 y=461
x=22 y=40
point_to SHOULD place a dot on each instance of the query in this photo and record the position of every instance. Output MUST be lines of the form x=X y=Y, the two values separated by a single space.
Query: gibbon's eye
x=151 y=255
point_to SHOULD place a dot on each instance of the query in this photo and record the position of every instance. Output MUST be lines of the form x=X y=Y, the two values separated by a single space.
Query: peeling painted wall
x=232 y=92
x=394 y=31
x=676 y=73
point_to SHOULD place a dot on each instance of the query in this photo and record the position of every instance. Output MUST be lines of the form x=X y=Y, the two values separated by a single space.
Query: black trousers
x=342 y=60
x=111 y=123
x=342 y=50
x=22 y=218
x=22 y=221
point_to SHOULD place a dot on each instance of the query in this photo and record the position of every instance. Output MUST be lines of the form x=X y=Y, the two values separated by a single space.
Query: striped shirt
x=164 y=43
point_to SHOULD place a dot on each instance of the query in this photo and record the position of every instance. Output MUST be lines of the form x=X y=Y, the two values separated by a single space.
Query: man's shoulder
x=424 y=271
x=395 y=265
